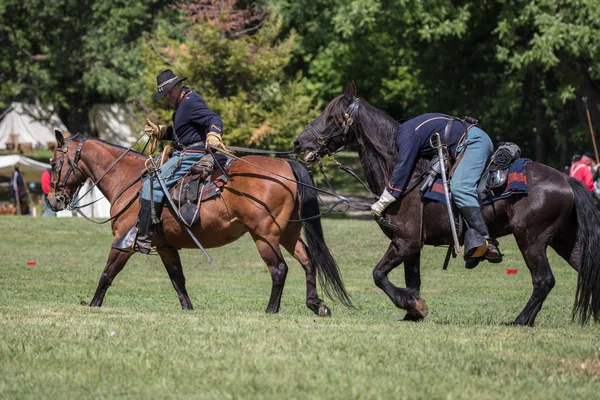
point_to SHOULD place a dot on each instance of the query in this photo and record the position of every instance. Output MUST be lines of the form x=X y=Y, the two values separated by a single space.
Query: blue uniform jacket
x=192 y=120
x=412 y=142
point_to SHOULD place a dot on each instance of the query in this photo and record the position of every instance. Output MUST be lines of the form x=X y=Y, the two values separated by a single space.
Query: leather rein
x=60 y=188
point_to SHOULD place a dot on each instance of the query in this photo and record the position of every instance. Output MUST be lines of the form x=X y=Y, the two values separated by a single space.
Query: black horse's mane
x=374 y=132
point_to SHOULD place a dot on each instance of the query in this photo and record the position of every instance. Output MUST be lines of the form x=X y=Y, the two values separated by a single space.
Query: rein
x=329 y=208
x=76 y=198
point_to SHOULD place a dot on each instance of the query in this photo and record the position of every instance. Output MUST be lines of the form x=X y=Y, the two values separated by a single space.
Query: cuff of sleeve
x=215 y=129
x=394 y=192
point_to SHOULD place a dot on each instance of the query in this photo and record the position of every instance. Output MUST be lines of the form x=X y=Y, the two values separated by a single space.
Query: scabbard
x=448 y=200
x=176 y=212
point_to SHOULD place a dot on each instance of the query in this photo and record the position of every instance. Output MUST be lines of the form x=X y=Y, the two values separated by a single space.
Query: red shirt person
x=580 y=170
x=45 y=180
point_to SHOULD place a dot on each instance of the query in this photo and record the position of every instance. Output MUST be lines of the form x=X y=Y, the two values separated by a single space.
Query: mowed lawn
x=141 y=345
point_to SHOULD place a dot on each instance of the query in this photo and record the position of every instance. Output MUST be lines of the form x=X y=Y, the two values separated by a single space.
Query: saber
x=437 y=144
x=176 y=212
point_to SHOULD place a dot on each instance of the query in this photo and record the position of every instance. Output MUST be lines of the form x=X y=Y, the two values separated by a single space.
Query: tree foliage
x=72 y=53
x=267 y=66
x=242 y=77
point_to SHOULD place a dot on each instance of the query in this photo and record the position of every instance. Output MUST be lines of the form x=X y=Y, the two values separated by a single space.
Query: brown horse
x=557 y=211
x=265 y=196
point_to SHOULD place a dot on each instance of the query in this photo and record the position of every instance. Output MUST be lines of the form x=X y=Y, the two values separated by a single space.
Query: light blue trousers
x=463 y=184
x=170 y=173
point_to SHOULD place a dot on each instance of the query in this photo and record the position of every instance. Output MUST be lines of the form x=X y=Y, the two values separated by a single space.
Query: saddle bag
x=497 y=173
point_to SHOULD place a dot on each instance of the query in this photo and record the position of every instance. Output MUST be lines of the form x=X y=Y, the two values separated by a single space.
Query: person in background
x=45 y=181
x=580 y=170
x=18 y=192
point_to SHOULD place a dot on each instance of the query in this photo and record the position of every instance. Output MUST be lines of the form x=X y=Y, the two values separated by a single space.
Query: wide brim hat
x=165 y=81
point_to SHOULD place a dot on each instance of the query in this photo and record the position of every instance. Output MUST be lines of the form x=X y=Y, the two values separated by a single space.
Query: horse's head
x=331 y=131
x=67 y=177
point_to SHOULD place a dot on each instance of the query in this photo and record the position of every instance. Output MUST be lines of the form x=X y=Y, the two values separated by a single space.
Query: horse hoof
x=420 y=310
x=324 y=311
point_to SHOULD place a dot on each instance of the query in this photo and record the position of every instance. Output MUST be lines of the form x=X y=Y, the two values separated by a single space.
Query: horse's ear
x=60 y=139
x=350 y=91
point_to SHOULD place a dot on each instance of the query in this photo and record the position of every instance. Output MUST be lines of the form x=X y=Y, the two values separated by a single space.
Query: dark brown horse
x=265 y=196
x=557 y=211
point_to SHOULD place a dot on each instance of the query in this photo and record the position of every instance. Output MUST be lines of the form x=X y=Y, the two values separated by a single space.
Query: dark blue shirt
x=192 y=120
x=412 y=142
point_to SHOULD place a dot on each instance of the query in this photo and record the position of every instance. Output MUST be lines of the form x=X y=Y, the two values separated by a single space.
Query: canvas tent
x=113 y=123
x=31 y=170
x=34 y=124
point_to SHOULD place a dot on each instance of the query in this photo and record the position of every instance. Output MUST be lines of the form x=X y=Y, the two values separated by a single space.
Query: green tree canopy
x=242 y=77
x=72 y=53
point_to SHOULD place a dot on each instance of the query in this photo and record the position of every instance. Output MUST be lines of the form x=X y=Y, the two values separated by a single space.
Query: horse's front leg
x=412 y=272
x=408 y=298
x=116 y=261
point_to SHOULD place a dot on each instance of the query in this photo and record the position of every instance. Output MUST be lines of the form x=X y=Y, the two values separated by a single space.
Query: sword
x=436 y=142
x=176 y=211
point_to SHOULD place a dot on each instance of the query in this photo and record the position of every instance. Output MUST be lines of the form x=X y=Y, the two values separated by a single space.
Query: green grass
x=140 y=344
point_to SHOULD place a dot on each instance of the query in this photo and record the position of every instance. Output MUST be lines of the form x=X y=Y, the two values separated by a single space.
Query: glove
x=155 y=131
x=214 y=140
x=384 y=201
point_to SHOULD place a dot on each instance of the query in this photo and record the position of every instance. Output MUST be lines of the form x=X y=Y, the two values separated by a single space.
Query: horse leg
x=170 y=258
x=300 y=253
x=534 y=254
x=116 y=261
x=271 y=255
x=408 y=298
x=412 y=272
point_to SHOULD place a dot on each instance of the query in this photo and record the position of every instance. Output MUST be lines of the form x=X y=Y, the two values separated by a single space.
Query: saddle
x=202 y=182
x=493 y=180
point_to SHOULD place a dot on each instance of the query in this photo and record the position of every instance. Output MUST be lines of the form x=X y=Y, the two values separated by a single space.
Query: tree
x=72 y=53
x=242 y=76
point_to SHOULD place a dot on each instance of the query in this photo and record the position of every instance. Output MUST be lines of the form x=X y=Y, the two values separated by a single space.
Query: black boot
x=145 y=225
x=490 y=252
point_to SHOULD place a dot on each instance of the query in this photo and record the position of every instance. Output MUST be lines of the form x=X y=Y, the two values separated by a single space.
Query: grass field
x=140 y=344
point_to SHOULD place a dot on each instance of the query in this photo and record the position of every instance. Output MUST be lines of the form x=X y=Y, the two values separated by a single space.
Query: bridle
x=60 y=192
x=343 y=130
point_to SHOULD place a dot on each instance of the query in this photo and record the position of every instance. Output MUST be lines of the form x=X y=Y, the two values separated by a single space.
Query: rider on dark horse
x=194 y=127
x=466 y=143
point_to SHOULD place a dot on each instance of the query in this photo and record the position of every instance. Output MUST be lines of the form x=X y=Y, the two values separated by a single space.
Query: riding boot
x=489 y=247
x=145 y=227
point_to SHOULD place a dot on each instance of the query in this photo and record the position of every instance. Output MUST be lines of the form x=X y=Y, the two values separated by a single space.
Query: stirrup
x=126 y=242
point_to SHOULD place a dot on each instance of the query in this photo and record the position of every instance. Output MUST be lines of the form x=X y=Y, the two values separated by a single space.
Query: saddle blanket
x=516 y=184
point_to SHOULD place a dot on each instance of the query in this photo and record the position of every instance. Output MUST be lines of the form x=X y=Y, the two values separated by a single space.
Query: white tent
x=99 y=209
x=34 y=124
x=31 y=170
x=113 y=123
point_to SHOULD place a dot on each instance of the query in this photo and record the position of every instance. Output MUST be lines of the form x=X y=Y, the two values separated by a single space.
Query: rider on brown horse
x=194 y=127
x=465 y=142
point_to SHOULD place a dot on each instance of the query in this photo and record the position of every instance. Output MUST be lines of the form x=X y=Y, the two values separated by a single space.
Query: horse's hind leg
x=534 y=254
x=298 y=249
x=271 y=255
x=170 y=258
x=409 y=298
x=116 y=261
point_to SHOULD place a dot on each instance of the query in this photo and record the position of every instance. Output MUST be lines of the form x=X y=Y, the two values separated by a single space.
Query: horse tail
x=587 y=297
x=321 y=258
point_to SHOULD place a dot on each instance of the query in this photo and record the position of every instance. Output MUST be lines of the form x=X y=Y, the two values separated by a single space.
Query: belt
x=191 y=146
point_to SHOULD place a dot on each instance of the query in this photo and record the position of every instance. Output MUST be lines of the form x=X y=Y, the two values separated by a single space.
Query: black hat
x=165 y=81
x=591 y=155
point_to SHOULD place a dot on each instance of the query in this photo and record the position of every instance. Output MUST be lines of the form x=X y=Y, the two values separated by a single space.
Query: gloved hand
x=214 y=140
x=154 y=131
x=384 y=201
